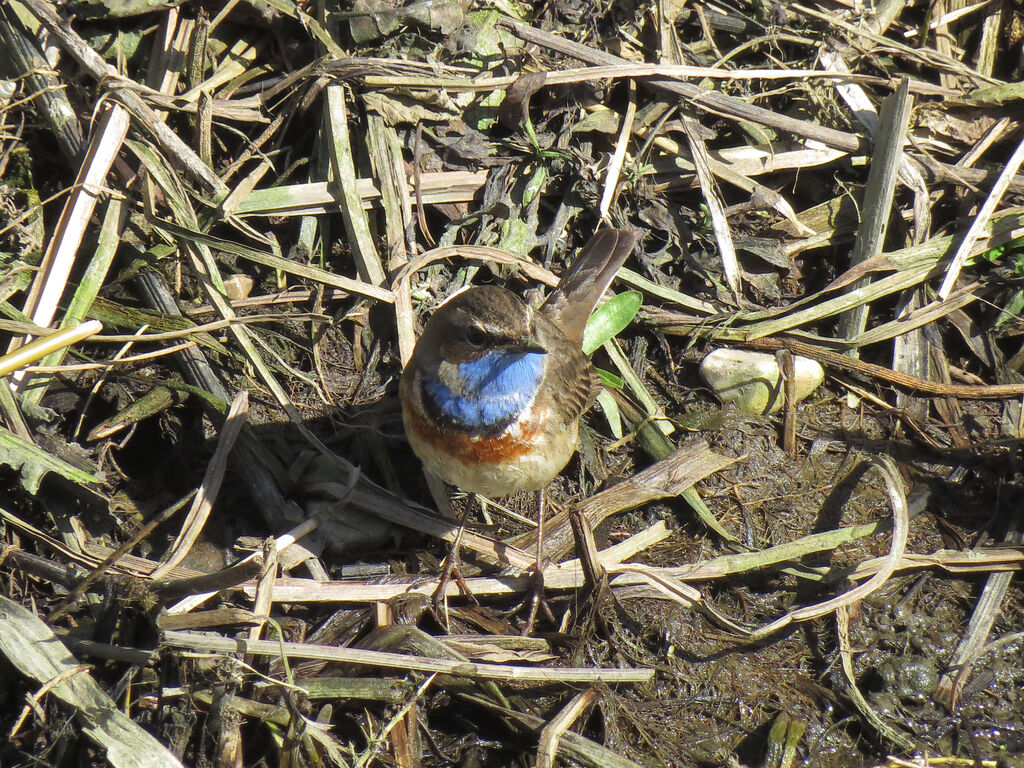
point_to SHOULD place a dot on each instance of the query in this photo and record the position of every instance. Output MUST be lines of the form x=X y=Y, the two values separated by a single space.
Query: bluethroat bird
x=493 y=393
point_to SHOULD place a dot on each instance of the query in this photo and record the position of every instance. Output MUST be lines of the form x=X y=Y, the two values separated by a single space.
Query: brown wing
x=582 y=391
x=571 y=381
x=570 y=304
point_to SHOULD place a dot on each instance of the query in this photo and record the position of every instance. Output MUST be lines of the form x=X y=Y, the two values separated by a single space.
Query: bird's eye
x=476 y=336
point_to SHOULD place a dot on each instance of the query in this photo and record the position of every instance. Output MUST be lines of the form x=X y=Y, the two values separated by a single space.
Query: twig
x=878 y=197
x=713 y=200
x=981 y=220
x=836 y=360
x=611 y=182
x=552 y=733
x=207 y=644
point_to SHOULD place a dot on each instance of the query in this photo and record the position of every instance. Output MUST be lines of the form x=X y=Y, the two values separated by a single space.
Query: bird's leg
x=537 y=577
x=449 y=568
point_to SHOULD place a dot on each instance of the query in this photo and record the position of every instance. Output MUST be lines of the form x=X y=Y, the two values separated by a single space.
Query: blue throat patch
x=495 y=389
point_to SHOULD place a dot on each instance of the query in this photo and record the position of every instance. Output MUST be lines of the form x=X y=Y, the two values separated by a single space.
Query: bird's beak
x=526 y=345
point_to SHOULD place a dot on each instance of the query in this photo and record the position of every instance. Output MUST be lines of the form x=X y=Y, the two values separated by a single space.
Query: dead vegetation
x=217 y=548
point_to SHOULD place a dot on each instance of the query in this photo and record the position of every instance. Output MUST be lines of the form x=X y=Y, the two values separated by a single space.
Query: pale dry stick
x=264 y=599
x=986 y=611
x=625 y=549
x=202 y=505
x=320 y=197
x=671 y=588
x=981 y=220
x=59 y=258
x=552 y=732
x=992 y=135
x=943 y=45
x=201 y=643
x=20 y=358
x=223 y=109
x=566 y=575
x=879 y=192
x=356 y=224
x=655 y=582
x=946 y=18
x=80 y=558
x=773 y=157
x=129 y=360
x=234 y=63
x=611 y=181
x=281 y=543
x=388 y=166
x=635 y=71
x=244 y=188
x=222 y=14
x=89 y=282
x=856 y=98
x=126 y=93
x=864 y=110
x=171 y=42
x=992 y=41
x=713 y=200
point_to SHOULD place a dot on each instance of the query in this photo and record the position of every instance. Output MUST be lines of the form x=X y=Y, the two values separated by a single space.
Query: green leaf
x=609 y=379
x=1011 y=311
x=34 y=462
x=610 y=319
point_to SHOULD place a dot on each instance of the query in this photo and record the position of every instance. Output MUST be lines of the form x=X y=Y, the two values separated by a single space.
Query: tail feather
x=570 y=304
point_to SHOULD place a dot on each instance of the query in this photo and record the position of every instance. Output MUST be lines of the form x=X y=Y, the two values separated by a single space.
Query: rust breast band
x=470 y=450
